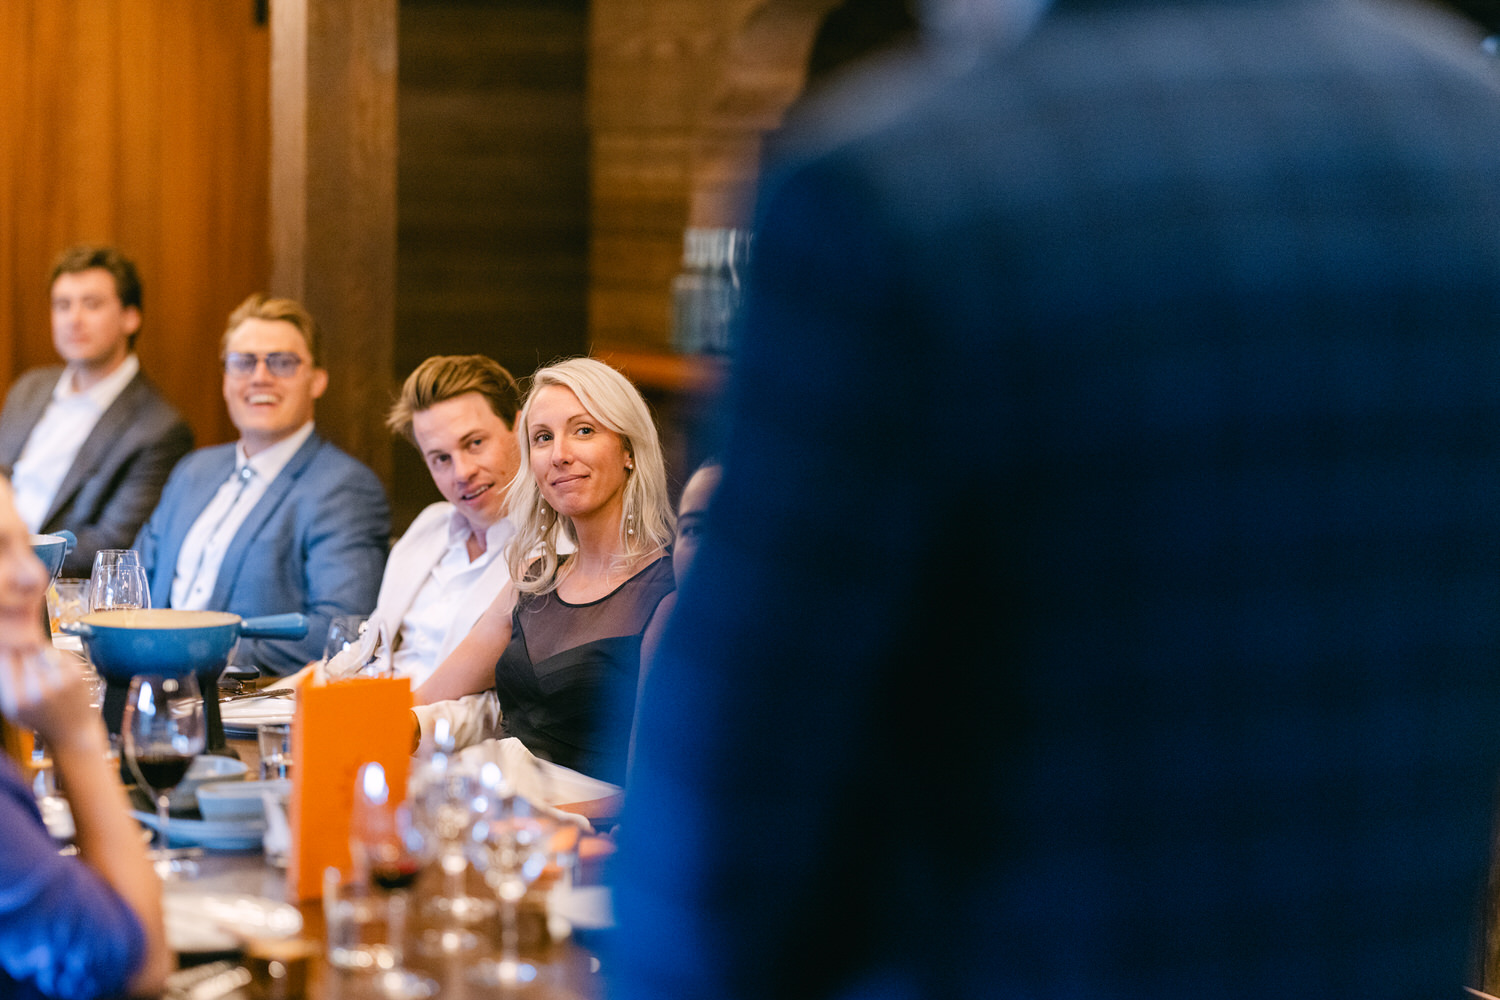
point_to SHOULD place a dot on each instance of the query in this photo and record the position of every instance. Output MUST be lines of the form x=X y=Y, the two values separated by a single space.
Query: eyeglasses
x=282 y=364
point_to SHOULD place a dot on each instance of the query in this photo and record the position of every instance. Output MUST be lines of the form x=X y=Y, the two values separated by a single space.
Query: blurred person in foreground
x=1151 y=650
x=89 y=444
x=82 y=926
x=281 y=520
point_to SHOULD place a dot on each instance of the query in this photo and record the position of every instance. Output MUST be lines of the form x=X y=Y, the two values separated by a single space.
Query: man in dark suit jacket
x=119 y=448
x=1102 y=599
x=281 y=520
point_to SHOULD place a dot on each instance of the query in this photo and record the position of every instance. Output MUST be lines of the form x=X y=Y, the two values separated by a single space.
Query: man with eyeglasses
x=88 y=445
x=280 y=520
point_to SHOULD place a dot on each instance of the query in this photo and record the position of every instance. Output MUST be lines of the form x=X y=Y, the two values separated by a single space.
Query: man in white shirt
x=281 y=520
x=89 y=445
x=460 y=412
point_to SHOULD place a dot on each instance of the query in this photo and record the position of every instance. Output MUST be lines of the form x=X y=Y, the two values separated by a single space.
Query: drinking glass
x=447 y=801
x=381 y=849
x=511 y=844
x=67 y=601
x=163 y=731
x=274 y=740
x=118 y=581
x=343 y=632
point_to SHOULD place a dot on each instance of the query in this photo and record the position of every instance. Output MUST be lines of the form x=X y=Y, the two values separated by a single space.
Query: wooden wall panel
x=333 y=201
x=493 y=209
x=141 y=123
x=681 y=93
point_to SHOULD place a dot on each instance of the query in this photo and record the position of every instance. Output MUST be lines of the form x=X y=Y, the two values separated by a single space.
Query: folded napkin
x=541 y=782
x=372 y=650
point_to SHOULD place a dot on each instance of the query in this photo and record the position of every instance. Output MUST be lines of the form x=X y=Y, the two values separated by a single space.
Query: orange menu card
x=336 y=728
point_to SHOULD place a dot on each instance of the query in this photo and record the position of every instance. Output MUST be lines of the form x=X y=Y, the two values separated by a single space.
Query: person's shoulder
x=207 y=455
x=150 y=413
x=330 y=462
x=432 y=523
x=198 y=463
x=34 y=382
x=46 y=375
x=149 y=394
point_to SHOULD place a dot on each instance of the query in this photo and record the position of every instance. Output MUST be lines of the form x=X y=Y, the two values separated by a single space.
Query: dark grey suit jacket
x=118 y=474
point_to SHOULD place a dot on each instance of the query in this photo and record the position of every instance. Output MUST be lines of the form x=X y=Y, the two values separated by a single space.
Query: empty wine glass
x=511 y=844
x=163 y=731
x=447 y=800
x=118 y=581
x=345 y=632
x=380 y=846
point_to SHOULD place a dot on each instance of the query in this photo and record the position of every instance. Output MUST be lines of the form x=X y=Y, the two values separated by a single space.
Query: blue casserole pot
x=123 y=643
x=53 y=549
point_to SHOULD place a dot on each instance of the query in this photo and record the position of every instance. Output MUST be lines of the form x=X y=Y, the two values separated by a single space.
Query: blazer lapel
x=234 y=558
x=408 y=578
x=106 y=434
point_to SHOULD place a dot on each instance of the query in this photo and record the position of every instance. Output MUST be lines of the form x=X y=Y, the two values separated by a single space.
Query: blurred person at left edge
x=82 y=926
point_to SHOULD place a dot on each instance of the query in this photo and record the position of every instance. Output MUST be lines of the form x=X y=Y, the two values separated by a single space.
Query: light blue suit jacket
x=316 y=543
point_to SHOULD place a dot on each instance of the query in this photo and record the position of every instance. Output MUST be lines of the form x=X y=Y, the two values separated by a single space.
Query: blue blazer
x=315 y=543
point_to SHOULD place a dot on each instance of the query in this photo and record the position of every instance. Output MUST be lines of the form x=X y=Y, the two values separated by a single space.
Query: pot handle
x=70 y=541
x=288 y=626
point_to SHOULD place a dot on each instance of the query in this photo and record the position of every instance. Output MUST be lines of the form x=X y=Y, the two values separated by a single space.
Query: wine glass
x=118 y=581
x=511 y=844
x=163 y=731
x=380 y=845
x=447 y=800
x=344 y=632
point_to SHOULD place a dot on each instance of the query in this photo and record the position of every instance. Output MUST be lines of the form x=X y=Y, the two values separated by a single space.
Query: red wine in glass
x=163 y=729
x=397 y=875
x=163 y=770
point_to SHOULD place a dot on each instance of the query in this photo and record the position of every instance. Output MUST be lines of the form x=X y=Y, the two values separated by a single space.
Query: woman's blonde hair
x=648 y=524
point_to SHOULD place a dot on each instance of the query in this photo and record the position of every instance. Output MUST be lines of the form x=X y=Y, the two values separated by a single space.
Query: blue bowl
x=53 y=549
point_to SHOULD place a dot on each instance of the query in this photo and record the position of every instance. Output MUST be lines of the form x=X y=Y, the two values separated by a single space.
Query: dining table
x=285 y=966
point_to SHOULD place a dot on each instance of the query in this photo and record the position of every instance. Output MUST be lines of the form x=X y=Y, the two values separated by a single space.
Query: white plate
x=239 y=835
x=199 y=923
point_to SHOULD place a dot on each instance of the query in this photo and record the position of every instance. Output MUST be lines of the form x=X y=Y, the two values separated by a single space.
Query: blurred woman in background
x=80 y=926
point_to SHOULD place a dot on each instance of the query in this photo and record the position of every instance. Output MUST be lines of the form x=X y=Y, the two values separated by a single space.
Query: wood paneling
x=681 y=93
x=334 y=202
x=141 y=123
x=493 y=192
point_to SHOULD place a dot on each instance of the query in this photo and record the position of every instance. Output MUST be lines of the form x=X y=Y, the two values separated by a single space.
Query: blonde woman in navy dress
x=559 y=650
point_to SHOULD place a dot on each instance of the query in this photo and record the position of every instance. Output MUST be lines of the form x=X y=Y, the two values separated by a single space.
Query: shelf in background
x=695 y=375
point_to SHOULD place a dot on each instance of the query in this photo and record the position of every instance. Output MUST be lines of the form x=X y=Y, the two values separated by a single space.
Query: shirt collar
x=496 y=537
x=268 y=462
x=103 y=392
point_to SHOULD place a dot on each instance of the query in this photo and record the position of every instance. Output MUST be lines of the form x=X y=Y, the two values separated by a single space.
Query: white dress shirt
x=454 y=587
x=207 y=541
x=54 y=442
